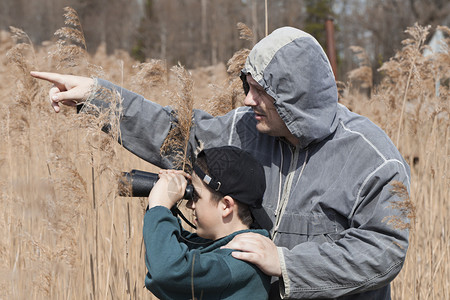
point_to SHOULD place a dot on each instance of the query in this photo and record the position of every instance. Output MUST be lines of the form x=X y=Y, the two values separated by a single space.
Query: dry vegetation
x=412 y=106
x=65 y=234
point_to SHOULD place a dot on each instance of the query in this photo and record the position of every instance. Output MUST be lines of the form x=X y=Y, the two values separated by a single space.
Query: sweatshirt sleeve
x=173 y=269
x=367 y=256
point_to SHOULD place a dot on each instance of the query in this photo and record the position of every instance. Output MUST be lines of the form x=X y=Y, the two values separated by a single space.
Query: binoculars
x=137 y=183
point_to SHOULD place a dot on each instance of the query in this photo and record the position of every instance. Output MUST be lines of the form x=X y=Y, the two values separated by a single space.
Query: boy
x=228 y=184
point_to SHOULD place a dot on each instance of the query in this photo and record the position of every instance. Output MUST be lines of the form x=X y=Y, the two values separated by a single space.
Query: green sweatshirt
x=182 y=265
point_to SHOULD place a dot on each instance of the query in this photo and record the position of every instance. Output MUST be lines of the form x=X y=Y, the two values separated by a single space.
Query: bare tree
x=378 y=26
x=430 y=12
x=201 y=32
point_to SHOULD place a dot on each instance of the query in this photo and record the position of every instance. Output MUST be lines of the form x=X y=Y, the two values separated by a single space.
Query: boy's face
x=207 y=213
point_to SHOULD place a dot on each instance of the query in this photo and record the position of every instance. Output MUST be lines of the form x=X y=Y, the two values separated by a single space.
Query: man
x=228 y=185
x=329 y=171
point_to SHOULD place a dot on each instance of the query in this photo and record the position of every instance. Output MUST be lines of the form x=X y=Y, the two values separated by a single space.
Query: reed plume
x=245 y=33
x=27 y=89
x=409 y=60
x=361 y=76
x=71 y=51
x=150 y=75
x=407 y=211
x=176 y=144
x=71 y=46
x=96 y=120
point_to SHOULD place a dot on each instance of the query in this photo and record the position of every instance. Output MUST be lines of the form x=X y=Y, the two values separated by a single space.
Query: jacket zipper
x=283 y=201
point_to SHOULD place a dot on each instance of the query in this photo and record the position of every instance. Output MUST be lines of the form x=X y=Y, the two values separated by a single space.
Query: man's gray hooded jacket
x=329 y=199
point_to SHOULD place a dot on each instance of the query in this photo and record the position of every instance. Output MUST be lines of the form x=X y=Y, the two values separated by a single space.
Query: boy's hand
x=169 y=188
x=67 y=89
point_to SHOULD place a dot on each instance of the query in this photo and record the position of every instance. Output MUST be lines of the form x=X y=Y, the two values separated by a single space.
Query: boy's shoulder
x=247 y=280
x=216 y=245
x=244 y=279
x=193 y=241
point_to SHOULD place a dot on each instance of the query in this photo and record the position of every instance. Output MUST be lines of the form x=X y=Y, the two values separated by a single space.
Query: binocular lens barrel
x=137 y=183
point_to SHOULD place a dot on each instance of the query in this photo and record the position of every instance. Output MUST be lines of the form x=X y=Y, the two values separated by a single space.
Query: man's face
x=207 y=214
x=266 y=115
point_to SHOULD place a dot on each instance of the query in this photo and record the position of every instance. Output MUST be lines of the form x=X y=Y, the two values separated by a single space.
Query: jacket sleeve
x=144 y=124
x=172 y=267
x=369 y=254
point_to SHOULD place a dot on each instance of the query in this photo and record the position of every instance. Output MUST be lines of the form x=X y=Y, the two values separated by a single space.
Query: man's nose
x=249 y=99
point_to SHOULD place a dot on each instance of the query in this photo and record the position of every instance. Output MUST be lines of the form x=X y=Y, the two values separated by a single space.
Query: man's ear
x=228 y=206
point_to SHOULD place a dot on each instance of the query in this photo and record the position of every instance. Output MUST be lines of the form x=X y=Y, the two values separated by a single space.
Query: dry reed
x=176 y=143
x=361 y=77
x=412 y=105
x=65 y=234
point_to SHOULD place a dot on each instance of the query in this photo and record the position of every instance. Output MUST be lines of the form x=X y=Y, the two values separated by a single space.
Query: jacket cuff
x=285 y=287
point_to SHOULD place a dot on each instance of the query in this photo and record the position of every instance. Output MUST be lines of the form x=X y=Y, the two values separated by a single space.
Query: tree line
x=201 y=32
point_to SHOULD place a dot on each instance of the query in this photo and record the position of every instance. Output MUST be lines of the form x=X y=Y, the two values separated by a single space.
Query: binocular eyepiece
x=137 y=183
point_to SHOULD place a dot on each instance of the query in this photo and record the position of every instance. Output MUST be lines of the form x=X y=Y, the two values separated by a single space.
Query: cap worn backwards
x=235 y=173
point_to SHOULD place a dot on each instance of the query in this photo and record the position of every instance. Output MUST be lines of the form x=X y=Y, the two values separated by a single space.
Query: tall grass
x=65 y=234
x=412 y=106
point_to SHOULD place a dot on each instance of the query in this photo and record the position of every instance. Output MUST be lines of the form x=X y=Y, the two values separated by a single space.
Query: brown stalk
x=91 y=264
x=266 y=14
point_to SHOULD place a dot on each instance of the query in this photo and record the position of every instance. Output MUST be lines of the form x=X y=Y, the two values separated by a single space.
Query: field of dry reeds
x=66 y=234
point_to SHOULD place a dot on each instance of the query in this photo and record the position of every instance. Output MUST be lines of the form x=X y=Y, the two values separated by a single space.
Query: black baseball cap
x=235 y=173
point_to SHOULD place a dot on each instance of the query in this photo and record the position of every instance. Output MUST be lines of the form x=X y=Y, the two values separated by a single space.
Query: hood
x=292 y=67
